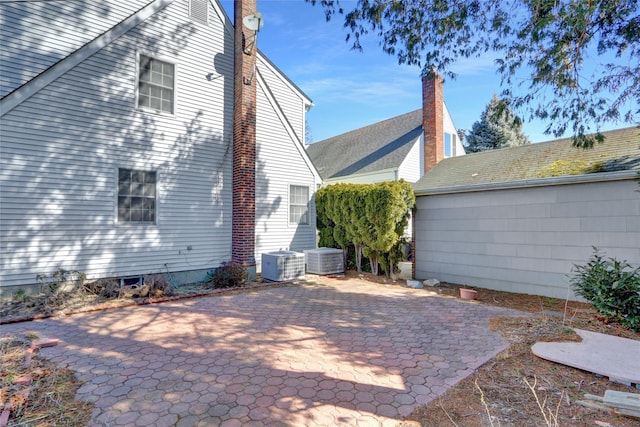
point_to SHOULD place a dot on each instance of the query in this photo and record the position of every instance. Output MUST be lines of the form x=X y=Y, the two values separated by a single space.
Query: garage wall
x=526 y=239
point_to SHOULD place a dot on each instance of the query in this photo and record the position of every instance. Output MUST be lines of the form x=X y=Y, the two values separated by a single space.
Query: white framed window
x=199 y=11
x=136 y=196
x=449 y=144
x=298 y=205
x=156 y=84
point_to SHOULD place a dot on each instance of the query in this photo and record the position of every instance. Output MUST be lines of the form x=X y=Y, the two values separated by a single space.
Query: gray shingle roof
x=620 y=151
x=379 y=146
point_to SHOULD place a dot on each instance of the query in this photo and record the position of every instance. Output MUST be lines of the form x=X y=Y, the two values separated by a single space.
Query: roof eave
x=528 y=183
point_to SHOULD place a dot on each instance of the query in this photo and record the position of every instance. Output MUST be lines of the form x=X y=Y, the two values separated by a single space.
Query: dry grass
x=50 y=398
x=517 y=388
x=106 y=294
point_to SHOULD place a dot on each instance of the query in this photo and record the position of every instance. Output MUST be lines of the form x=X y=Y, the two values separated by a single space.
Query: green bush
x=228 y=275
x=612 y=286
x=371 y=218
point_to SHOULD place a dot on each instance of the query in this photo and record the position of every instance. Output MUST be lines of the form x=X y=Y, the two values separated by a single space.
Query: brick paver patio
x=339 y=353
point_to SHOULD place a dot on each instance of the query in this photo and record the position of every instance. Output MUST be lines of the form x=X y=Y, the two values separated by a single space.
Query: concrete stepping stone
x=614 y=357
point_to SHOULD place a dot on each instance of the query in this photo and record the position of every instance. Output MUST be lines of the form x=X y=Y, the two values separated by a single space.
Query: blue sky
x=353 y=89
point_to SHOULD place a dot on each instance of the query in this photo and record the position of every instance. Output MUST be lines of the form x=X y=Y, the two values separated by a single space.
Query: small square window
x=298 y=205
x=156 y=81
x=136 y=196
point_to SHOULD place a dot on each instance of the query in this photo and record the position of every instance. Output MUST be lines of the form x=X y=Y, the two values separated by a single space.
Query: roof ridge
x=360 y=129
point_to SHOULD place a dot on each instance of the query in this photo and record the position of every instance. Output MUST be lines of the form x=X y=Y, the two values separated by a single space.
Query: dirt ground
x=516 y=388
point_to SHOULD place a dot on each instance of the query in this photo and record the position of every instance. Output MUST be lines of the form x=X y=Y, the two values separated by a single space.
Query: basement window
x=136 y=196
x=135 y=281
x=298 y=205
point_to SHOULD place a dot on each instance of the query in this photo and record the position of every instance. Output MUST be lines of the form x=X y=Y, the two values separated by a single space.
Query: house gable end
x=411 y=168
x=379 y=146
x=37 y=34
x=72 y=138
x=283 y=173
x=24 y=92
x=67 y=144
x=287 y=125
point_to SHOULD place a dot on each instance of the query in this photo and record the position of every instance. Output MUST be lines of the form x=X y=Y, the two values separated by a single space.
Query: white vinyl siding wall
x=23 y=56
x=410 y=169
x=280 y=164
x=62 y=147
x=449 y=127
x=525 y=240
x=292 y=103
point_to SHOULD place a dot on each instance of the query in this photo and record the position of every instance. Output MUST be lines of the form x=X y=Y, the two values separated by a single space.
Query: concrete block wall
x=525 y=240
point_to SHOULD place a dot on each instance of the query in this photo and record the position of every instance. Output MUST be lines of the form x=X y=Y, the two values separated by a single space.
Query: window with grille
x=136 y=196
x=156 y=82
x=298 y=205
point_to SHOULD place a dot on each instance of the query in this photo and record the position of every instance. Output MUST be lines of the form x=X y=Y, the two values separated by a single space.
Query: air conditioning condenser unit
x=324 y=261
x=282 y=265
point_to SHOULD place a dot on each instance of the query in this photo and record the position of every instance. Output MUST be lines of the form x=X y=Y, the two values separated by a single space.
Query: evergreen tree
x=498 y=127
x=573 y=64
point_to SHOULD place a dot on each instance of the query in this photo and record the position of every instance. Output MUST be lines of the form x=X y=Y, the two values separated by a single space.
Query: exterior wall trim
x=541 y=182
x=33 y=86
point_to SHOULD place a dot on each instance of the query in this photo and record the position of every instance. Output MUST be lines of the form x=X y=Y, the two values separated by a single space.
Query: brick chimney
x=432 y=119
x=243 y=222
